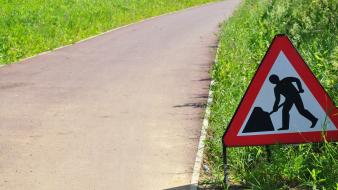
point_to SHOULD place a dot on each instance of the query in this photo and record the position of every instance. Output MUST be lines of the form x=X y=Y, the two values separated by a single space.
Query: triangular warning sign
x=284 y=103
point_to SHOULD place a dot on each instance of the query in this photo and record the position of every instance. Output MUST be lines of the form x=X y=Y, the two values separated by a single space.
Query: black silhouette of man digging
x=288 y=90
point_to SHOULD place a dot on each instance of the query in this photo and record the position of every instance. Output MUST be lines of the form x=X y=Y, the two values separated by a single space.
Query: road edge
x=205 y=126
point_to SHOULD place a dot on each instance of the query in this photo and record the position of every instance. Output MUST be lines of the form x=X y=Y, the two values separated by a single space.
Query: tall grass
x=28 y=27
x=313 y=28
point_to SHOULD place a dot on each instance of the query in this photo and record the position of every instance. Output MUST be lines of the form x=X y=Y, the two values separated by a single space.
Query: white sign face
x=296 y=118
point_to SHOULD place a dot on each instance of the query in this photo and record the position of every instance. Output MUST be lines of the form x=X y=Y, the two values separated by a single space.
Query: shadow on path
x=185 y=187
x=193 y=105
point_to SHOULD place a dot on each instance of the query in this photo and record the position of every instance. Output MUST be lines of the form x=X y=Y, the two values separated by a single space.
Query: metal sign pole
x=268 y=153
x=225 y=166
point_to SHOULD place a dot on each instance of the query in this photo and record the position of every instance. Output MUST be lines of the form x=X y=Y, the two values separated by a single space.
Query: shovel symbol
x=259 y=121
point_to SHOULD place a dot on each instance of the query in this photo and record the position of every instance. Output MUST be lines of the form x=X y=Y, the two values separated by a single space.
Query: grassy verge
x=313 y=27
x=31 y=27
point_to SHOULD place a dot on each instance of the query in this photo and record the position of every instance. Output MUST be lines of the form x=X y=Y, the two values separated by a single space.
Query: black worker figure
x=288 y=90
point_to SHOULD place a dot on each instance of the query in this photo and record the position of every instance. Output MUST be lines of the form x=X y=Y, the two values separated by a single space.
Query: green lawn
x=312 y=26
x=28 y=27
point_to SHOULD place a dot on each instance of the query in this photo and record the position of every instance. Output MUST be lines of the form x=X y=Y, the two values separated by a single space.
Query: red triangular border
x=280 y=43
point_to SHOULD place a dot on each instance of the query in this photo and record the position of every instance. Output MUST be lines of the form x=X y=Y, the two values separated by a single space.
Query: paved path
x=119 y=111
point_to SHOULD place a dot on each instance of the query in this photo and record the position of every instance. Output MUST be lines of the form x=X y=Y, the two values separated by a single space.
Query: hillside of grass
x=30 y=27
x=312 y=27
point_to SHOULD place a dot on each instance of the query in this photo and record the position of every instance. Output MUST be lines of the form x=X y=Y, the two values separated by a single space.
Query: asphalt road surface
x=119 y=111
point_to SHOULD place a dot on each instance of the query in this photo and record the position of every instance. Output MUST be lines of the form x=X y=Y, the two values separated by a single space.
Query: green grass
x=33 y=26
x=312 y=26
